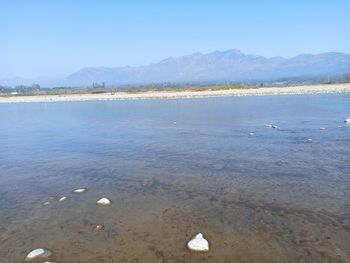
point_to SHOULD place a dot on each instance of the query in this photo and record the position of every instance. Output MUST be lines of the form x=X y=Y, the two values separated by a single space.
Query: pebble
x=271 y=126
x=104 y=201
x=99 y=227
x=62 y=199
x=79 y=190
x=38 y=253
x=198 y=243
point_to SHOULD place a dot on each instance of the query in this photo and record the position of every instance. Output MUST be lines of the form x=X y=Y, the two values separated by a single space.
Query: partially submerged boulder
x=98 y=228
x=79 y=190
x=271 y=126
x=104 y=201
x=62 y=199
x=198 y=243
x=38 y=253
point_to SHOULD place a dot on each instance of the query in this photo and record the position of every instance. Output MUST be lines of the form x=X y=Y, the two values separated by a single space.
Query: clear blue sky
x=56 y=38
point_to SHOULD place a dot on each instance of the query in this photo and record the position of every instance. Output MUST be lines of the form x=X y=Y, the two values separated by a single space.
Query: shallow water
x=272 y=196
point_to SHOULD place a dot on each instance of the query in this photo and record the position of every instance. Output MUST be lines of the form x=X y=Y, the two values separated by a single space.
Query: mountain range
x=219 y=66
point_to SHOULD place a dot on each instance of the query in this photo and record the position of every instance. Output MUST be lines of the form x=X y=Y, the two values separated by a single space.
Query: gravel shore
x=308 y=89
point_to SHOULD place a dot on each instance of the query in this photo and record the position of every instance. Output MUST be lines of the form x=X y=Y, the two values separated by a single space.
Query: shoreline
x=263 y=91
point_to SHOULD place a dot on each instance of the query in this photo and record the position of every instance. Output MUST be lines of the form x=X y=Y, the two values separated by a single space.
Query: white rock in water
x=198 y=243
x=62 y=199
x=99 y=227
x=79 y=190
x=104 y=201
x=271 y=126
x=347 y=121
x=38 y=253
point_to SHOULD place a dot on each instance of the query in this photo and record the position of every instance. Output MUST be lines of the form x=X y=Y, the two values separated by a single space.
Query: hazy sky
x=56 y=38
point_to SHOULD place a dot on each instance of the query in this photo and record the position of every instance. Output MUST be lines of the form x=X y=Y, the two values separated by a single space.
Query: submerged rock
x=79 y=190
x=98 y=228
x=198 y=243
x=104 y=201
x=38 y=253
x=62 y=199
x=271 y=126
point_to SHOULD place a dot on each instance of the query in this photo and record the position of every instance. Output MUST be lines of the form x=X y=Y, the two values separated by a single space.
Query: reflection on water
x=273 y=196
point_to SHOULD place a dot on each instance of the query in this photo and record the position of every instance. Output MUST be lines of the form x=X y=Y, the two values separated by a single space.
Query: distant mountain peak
x=218 y=66
x=229 y=65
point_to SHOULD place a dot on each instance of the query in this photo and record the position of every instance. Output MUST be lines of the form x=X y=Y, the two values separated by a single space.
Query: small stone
x=98 y=227
x=38 y=253
x=198 y=243
x=62 y=199
x=271 y=126
x=145 y=182
x=79 y=190
x=104 y=201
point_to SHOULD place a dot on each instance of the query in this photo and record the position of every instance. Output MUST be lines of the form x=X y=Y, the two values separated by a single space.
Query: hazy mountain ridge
x=218 y=66
x=231 y=65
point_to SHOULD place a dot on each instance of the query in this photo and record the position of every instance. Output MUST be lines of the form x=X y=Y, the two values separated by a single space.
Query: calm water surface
x=173 y=168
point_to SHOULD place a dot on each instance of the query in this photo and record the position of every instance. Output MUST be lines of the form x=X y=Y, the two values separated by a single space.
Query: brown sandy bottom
x=151 y=219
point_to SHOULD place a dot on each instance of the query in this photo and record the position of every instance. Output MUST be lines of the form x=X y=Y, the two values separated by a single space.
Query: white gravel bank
x=310 y=89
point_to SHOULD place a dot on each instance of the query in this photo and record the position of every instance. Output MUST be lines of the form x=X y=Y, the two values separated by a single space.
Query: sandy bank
x=311 y=89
